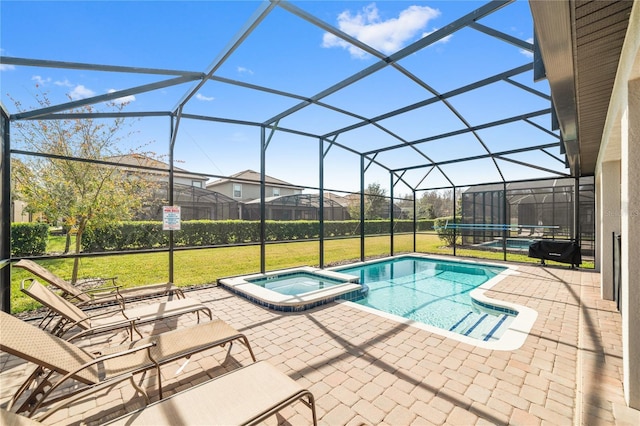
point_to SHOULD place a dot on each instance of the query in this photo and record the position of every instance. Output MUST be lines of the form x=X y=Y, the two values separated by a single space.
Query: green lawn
x=205 y=266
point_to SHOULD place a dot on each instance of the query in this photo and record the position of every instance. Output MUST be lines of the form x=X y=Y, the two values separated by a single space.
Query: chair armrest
x=41 y=417
x=130 y=322
x=104 y=287
x=146 y=346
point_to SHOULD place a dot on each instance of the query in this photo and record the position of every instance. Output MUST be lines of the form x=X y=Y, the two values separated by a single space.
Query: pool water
x=295 y=283
x=434 y=292
x=511 y=244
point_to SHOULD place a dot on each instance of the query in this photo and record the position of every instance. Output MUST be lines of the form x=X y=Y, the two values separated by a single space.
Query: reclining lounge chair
x=110 y=293
x=70 y=316
x=58 y=361
x=7 y=418
x=245 y=396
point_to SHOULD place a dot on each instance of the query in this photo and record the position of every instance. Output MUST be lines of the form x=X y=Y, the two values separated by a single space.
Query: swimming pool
x=511 y=244
x=444 y=295
x=296 y=289
x=294 y=283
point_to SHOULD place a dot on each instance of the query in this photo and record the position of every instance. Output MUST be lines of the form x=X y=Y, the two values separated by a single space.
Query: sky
x=287 y=53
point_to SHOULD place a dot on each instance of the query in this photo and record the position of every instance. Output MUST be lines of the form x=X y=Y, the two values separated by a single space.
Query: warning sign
x=171 y=218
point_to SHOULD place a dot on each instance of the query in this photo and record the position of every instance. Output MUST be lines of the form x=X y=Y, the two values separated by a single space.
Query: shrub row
x=144 y=235
x=29 y=239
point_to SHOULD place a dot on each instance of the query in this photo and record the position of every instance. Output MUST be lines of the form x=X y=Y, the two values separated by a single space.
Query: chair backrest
x=57 y=304
x=51 y=278
x=9 y=418
x=32 y=344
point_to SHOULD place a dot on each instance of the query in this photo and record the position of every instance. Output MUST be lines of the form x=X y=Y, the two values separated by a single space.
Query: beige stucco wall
x=630 y=203
x=250 y=191
x=608 y=205
x=621 y=144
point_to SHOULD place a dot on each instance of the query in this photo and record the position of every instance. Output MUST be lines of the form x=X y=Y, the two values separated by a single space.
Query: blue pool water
x=511 y=244
x=295 y=283
x=433 y=292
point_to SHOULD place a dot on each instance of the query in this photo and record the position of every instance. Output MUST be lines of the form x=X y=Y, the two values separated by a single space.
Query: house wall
x=619 y=150
x=188 y=181
x=631 y=245
x=18 y=212
x=251 y=191
x=178 y=179
x=609 y=211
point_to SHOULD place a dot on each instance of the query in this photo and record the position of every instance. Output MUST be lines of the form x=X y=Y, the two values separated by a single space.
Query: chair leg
x=139 y=389
x=36 y=395
x=246 y=343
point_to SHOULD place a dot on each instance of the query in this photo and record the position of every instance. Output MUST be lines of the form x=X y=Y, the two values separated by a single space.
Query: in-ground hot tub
x=295 y=289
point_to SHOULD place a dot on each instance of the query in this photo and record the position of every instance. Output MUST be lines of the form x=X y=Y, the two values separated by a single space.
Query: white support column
x=597 y=258
x=609 y=222
x=630 y=209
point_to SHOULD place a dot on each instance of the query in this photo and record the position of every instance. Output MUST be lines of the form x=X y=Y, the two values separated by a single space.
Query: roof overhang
x=580 y=42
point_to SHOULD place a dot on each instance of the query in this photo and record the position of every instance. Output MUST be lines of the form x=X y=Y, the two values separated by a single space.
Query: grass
x=56 y=243
x=206 y=266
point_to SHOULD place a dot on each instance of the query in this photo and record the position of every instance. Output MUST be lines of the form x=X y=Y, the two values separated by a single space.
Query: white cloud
x=41 y=81
x=204 y=98
x=243 y=70
x=387 y=36
x=527 y=53
x=65 y=83
x=81 y=92
x=442 y=40
x=122 y=100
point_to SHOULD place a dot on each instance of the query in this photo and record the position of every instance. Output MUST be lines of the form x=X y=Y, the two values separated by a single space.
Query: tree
x=446 y=233
x=435 y=203
x=376 y=204
x=70 y=183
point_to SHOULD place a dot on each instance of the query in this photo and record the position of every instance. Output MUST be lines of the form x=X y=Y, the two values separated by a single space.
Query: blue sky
x=287 y=53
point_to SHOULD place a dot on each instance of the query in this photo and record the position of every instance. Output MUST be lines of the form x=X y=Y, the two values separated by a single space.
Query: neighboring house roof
x=343 y=201
x=201 y=194
x=301 y=200
x=151 y=163
x=251 y=176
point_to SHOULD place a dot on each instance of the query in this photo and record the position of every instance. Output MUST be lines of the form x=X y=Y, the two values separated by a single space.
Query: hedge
x=29 y=239
x=145 y=235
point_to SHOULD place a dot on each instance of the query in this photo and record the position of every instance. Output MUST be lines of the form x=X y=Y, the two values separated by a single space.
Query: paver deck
x=364 y=369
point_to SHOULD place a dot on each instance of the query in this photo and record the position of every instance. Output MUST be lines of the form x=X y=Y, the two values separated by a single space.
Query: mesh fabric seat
x=104 y=294
x=245 y=396
x=7 y=418
x=71 y=316
x=59 y=361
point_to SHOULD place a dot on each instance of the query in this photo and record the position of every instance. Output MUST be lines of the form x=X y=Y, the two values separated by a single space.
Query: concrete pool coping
x=512 y=338
x=293 y=303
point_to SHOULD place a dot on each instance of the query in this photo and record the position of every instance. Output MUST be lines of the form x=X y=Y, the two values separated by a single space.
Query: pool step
x=482 y=325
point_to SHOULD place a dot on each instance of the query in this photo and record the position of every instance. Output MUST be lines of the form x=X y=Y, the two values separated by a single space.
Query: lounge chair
x=524 y=232
x=71 y=316
x=7 y=418
x=245 y=396
x=59 y=361
x=104 y=294
x=537 y=233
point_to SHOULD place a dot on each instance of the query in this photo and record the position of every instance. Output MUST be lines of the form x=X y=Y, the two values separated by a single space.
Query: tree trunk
x=67 y=242
x=76 y=260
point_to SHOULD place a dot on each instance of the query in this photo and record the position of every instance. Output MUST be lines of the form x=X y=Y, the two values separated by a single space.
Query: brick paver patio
x=364 y=369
